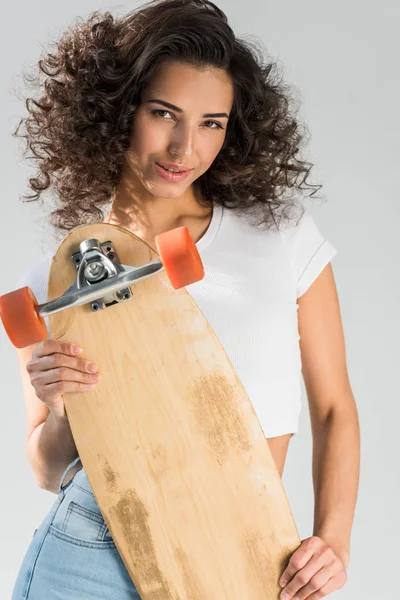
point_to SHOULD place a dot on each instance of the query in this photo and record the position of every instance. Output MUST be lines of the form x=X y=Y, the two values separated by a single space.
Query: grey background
x=343 y=59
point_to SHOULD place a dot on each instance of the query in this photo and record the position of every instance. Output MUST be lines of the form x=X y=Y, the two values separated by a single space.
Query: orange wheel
x=180 y=257
x=21 y=321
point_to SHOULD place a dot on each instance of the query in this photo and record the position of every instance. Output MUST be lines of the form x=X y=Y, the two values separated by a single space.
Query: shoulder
x=307 y=248
x=35 y=275
x=299 y=230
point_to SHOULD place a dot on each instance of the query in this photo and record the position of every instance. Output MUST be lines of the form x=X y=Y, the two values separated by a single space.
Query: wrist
x=60 y=420
x=344 y=556
x=340 y=547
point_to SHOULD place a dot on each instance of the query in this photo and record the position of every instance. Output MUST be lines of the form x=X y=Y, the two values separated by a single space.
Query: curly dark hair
x=79 y=127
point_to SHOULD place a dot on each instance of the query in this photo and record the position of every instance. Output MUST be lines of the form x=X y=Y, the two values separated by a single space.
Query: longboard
x=169 y=440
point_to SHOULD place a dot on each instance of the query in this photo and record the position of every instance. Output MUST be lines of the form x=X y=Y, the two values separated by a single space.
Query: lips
x=171 y=175
x=174 y=166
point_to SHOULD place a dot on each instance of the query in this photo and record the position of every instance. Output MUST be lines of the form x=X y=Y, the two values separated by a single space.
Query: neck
x=147 y=215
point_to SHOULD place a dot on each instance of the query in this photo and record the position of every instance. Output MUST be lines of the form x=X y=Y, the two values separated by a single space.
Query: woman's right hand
x=56 y=368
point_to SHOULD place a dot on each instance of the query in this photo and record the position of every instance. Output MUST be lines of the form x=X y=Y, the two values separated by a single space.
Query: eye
x=157 y=114
x=219 y=126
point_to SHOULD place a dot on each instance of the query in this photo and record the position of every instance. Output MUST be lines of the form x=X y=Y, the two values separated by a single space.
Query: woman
x=125 y=101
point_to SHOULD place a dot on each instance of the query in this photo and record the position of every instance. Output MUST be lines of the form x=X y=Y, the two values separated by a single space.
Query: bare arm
x=333 y=412
x=48 y=370
x=50 y=449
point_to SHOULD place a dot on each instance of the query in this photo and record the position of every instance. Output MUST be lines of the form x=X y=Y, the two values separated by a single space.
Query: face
x=173 y=124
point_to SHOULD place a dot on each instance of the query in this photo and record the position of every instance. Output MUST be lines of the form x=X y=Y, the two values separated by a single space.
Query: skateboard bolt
x=94 y=270
x=123 y=295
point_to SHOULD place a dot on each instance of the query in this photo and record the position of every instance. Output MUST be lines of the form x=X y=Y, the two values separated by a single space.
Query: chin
x=166 y=191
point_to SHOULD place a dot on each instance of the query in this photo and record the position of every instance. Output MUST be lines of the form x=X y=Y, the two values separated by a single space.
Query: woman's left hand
x=314 y=571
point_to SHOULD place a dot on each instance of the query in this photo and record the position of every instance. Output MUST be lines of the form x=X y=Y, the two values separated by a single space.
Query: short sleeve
x=308 y=251
x=36 y=277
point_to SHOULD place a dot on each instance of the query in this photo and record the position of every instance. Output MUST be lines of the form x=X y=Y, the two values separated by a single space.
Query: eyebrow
x=177 y=109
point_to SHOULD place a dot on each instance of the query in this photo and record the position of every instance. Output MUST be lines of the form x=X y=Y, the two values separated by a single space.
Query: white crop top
x=249 y=296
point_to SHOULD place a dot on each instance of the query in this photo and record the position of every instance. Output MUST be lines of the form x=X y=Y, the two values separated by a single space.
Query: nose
x=182 y=141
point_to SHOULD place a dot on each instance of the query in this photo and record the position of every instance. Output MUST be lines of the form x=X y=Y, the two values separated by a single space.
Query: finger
x=297 y=561
x=329 y=587
x=62 y=387
x=302 y=578
x=52 y=346
x=313 y=584
x=53 y=361
x=60 y=374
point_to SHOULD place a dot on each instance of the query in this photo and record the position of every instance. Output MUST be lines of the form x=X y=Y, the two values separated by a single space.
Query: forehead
x=185 y=85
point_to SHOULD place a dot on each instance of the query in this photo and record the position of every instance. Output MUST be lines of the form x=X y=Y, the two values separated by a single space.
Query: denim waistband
x=80 y=478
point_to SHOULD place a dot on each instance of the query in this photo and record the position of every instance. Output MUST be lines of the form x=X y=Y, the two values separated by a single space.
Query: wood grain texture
x=170 y=442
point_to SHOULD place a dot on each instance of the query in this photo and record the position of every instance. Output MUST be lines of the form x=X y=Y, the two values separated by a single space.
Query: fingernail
x=283 y=582
x=92 y=367
x=96 y=376
x=284 y=596
x=76 y=349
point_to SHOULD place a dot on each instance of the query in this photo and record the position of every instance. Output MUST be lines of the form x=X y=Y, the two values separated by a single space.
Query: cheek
x=145 y=139
x=211 y=152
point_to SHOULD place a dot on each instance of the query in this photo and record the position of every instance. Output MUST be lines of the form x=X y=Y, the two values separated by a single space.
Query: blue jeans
x=72 y=555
